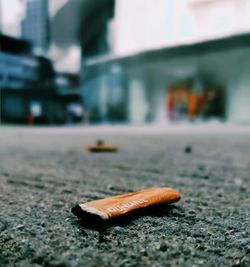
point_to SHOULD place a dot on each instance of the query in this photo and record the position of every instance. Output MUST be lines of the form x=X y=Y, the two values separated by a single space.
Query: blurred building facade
x=35 y=25
x=142 y=60
x=16 y=71
x=27 y=89
x=172 y=60
x=31 y=91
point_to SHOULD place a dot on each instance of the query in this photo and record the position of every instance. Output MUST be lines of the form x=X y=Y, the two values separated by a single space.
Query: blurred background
x=67 y=62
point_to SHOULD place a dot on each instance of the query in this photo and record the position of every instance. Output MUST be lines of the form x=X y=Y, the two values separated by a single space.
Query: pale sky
x=10 y=9
x=12 y=13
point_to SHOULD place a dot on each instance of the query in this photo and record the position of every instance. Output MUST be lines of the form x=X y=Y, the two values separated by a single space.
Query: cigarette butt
x=101 y=147
x=118 y=206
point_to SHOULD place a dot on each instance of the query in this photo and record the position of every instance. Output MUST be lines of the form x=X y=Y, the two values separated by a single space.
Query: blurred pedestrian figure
x=35 y=112
x=75 y=113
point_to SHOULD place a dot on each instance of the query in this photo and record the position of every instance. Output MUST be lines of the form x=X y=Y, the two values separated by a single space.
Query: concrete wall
x=227 y=69
x=137 y=103
x=231 y=69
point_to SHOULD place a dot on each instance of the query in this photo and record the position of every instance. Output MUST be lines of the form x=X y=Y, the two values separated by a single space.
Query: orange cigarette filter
x=100 y=146
x=118 y=206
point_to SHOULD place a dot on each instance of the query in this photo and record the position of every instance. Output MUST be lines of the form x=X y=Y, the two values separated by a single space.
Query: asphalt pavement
x=45 y=172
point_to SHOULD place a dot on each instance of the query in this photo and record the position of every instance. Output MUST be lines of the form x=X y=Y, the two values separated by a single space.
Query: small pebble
x=163 y=246
x=188 y=149
x=19 y=226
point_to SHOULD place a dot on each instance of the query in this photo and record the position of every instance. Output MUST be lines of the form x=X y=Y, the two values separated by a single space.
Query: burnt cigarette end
x=77 y=211
x=87 y=217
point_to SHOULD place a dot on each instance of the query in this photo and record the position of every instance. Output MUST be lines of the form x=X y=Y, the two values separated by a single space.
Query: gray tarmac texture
x=42 y=176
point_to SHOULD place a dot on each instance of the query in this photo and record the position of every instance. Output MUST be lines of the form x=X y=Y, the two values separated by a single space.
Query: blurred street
x=77 y=62
x=164 y=86
x=45 y=171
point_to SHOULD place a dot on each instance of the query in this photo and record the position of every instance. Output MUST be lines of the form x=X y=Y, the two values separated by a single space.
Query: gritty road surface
x=44 y=173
